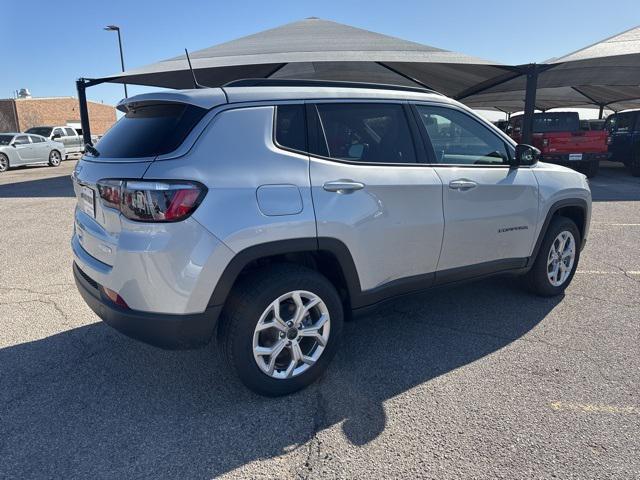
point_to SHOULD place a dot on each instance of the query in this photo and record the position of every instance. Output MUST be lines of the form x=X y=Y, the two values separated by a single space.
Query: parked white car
x=18 y=149
x=70 y=137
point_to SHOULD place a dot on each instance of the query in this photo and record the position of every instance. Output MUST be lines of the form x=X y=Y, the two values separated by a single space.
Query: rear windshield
x=556 y=122
x=149 y=130
x=44 y=131
x=5 y=139
x=621 y=122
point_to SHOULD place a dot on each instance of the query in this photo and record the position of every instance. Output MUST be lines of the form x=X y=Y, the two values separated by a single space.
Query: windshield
x=556 y=122
x=5 y=139
x=149 y=130
x=44 y=131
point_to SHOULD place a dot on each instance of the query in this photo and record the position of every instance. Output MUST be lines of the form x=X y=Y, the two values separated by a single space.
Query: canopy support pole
x=84 y=111
x=532 y=71
x=601 y=112
x=81 y=85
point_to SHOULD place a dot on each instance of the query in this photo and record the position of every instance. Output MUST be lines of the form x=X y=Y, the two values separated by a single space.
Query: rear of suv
x=262 y=214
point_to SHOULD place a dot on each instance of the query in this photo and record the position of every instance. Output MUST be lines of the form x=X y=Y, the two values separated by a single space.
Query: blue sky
x=50 y=44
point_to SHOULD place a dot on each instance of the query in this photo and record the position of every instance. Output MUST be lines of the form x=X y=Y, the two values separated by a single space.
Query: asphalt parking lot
x=480 y=381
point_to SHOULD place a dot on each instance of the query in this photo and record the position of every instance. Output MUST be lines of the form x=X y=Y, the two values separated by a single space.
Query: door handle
x=343 y=186
x=462 y=185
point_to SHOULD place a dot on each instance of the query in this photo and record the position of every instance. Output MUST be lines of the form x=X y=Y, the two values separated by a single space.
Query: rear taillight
x=152 y=201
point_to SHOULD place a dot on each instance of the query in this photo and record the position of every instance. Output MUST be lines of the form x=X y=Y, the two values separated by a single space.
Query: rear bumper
x=563 y=158
x=174 y=332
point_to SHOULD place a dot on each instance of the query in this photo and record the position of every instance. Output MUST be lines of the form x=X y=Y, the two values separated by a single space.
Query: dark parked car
x=624 y=139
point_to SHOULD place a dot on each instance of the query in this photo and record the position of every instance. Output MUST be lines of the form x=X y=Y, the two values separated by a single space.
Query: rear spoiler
x=204 y=98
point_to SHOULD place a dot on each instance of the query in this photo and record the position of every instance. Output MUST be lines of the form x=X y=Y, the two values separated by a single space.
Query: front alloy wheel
x=557 y=259
x=562 y=255
x=291 y=334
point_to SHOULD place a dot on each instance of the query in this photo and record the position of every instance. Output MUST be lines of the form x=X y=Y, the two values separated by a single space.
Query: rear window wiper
x=91 y=149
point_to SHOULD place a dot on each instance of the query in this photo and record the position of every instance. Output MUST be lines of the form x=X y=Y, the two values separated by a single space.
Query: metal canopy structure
x=605 y=74
x=322 y=50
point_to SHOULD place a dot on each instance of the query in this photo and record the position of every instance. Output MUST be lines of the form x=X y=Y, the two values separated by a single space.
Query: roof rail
x=292 y=82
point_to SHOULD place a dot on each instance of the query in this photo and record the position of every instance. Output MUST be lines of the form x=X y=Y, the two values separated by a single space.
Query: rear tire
x=248 y=328
x=592 y=169
x=540 y=279
x=55 y=158
x=4 y=162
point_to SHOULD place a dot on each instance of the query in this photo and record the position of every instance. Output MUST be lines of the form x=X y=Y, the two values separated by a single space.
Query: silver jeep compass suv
x=263 y=212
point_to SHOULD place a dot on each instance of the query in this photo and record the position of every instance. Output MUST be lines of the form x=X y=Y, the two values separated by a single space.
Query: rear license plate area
x=87 y=201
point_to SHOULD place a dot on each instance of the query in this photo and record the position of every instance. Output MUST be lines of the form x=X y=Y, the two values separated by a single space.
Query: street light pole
x=115 y=28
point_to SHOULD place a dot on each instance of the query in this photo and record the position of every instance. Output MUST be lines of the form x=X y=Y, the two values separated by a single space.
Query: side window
x=458 y=139
x=58 y=131
x=22 y=140
x=291 y=128
x=366 y=132
x=35 y=139
x=70 y=132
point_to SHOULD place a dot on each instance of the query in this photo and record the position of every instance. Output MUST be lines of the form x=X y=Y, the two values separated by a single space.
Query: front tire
x=280 y=328
x=4 y=162
x=54 y=158
x=557 y=259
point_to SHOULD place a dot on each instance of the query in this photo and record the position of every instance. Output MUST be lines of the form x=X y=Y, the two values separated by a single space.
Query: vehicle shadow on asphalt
x=89 y=402
x=50 y=187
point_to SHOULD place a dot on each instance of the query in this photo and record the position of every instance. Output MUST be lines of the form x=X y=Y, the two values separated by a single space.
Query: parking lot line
x=617 y=224
x=594 y=408
x=605 y=272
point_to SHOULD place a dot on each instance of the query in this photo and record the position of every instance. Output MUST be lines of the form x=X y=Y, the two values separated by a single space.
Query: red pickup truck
x=560 y=140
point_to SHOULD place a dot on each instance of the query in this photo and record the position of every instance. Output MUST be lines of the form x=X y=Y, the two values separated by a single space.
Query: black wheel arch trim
x=358 y=298
x=555 y=207
x=281 y=247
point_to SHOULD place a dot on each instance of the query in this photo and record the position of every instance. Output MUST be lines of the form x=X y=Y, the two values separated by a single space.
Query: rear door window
x=70 y=132
x=150 y=130
x=366 y=132
x=291 y=128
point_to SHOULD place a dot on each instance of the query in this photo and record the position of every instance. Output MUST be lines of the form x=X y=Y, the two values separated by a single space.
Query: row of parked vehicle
x=564 y=139
x=45 y=145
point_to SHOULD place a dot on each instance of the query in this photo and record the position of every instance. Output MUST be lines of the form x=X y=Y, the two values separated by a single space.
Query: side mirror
x=526 y=155
x=56 y=136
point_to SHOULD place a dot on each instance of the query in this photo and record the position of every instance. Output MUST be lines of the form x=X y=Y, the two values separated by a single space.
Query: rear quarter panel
x=234 y=157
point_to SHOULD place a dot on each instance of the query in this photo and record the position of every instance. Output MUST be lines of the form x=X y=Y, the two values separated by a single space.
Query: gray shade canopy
x=322 y=50
x=604 y=74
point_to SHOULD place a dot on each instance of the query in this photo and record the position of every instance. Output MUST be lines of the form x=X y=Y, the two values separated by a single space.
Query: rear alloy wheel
x=280 y=328
x=55 y=158
x=4 y=162
x=291 y=334
x=557 y=258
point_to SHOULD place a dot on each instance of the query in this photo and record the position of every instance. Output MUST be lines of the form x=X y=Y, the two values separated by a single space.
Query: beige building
x=19 y=114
